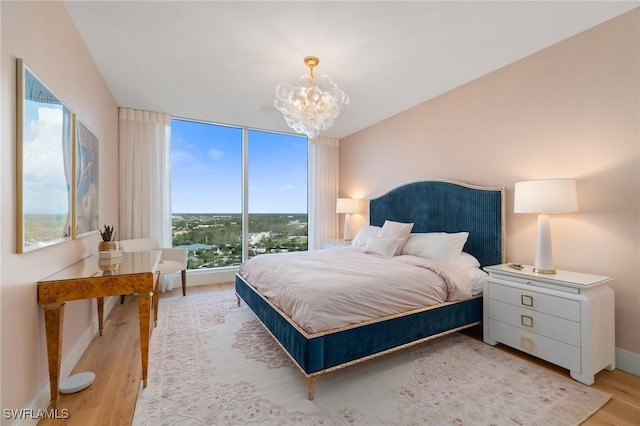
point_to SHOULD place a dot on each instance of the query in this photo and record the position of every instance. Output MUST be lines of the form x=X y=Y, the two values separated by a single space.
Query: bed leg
x=310 y=390
x=238 y=300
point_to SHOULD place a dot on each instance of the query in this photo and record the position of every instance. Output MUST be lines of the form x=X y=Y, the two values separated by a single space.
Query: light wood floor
x=115 y=358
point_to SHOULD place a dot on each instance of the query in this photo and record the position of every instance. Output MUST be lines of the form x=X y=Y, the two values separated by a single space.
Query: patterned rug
x=212 y=363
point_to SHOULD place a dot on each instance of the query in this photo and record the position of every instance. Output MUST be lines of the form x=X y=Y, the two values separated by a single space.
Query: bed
x=432 y=206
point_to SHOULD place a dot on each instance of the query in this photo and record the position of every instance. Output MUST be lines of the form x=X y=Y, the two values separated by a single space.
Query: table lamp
x=542 y=197
x=347 y=206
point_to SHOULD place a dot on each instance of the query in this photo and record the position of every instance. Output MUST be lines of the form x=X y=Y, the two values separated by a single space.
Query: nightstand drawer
x=560 y=329
x=551 y=350
x=546 y=303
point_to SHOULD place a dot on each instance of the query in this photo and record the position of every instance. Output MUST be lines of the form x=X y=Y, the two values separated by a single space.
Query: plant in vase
x=108 y=242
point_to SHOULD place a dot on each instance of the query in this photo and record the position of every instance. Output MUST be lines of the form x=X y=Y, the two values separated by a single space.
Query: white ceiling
x=221 y=61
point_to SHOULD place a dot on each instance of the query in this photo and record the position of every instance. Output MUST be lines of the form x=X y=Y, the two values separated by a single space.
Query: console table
x=93 y=277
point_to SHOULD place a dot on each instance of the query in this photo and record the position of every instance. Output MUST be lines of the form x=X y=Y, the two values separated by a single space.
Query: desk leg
x=144 y=313
x=156 y=297
x=100 y=302
x=53 y=319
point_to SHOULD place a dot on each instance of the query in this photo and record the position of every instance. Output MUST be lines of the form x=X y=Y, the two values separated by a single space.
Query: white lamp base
x=544 y=261
x=77 y=382
x=346 y=236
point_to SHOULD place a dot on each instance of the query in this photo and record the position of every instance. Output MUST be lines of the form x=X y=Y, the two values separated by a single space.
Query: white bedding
x=325 y=289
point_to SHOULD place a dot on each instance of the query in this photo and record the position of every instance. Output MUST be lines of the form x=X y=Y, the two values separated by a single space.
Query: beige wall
x=43 y=34
x=571 y=110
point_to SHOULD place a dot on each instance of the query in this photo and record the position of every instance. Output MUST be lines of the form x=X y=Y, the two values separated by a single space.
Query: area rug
x=212 y=363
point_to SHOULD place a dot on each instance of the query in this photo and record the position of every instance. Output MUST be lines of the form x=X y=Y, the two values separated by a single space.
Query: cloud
x=186 y=156
x=45 y=186
x=287 y=187
x=216 y=154
x=179 y=157
x=42 y=152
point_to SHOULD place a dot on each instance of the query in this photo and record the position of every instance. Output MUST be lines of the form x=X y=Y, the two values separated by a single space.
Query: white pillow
x=385 y=247
x=436 y=245
x=364 y=233
x=397 y=231
x=478 y=278
x=465 y=260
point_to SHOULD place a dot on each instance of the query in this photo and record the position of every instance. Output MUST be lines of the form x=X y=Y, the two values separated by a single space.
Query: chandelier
x=313 y=105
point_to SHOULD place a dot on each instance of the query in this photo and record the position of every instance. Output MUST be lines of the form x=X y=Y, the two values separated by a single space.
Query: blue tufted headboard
x=449 y=206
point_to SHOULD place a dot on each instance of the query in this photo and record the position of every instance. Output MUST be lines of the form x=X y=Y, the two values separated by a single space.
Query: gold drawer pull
x=526 y=300
x=526 y=320
x=526 y=344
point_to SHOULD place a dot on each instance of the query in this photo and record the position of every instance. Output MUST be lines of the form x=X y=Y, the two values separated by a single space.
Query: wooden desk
x=98 y=278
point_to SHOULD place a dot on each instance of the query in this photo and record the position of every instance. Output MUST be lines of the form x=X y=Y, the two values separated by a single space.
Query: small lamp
x=347 y=206
x=545 y=196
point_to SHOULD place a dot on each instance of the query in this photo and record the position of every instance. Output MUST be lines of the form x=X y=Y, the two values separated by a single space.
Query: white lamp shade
x=546 y=196
x=347 y=205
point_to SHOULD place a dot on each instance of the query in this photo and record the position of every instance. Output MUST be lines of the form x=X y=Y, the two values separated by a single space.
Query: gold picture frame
x=43 y=164
x=86 y=180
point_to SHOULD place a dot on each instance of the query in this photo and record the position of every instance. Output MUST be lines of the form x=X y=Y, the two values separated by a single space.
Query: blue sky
x=206 y=170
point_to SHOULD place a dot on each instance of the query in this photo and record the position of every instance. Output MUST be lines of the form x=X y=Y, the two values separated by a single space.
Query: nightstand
x=566 y=318
x=336 y=243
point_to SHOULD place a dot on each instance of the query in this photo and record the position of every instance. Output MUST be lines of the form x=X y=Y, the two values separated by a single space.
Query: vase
x=108 y=266
x=108 y=246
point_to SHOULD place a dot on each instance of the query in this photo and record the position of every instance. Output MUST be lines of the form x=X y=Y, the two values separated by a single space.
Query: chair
x=172 y=259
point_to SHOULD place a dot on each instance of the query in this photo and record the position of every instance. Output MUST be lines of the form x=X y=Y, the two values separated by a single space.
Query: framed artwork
x=43 y=164
x=86 y=180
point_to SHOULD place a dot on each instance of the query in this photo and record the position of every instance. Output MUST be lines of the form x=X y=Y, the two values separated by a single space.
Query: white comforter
x=325 y=289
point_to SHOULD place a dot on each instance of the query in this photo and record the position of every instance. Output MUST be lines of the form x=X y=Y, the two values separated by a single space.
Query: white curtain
x=145 y=175
x=323 y=190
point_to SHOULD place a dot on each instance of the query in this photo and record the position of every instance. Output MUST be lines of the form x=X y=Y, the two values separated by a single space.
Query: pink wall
x=571 y=110
x=43 y=34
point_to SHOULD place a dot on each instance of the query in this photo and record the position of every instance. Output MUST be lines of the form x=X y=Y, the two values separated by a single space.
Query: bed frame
x=433 y=206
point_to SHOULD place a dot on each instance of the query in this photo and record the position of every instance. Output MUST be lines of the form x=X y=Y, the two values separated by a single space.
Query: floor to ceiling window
x=208 y=187
x=277 y=196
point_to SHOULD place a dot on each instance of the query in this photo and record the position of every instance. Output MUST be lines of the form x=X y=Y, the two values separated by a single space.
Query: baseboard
x=628 y=361
x=41 y=400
